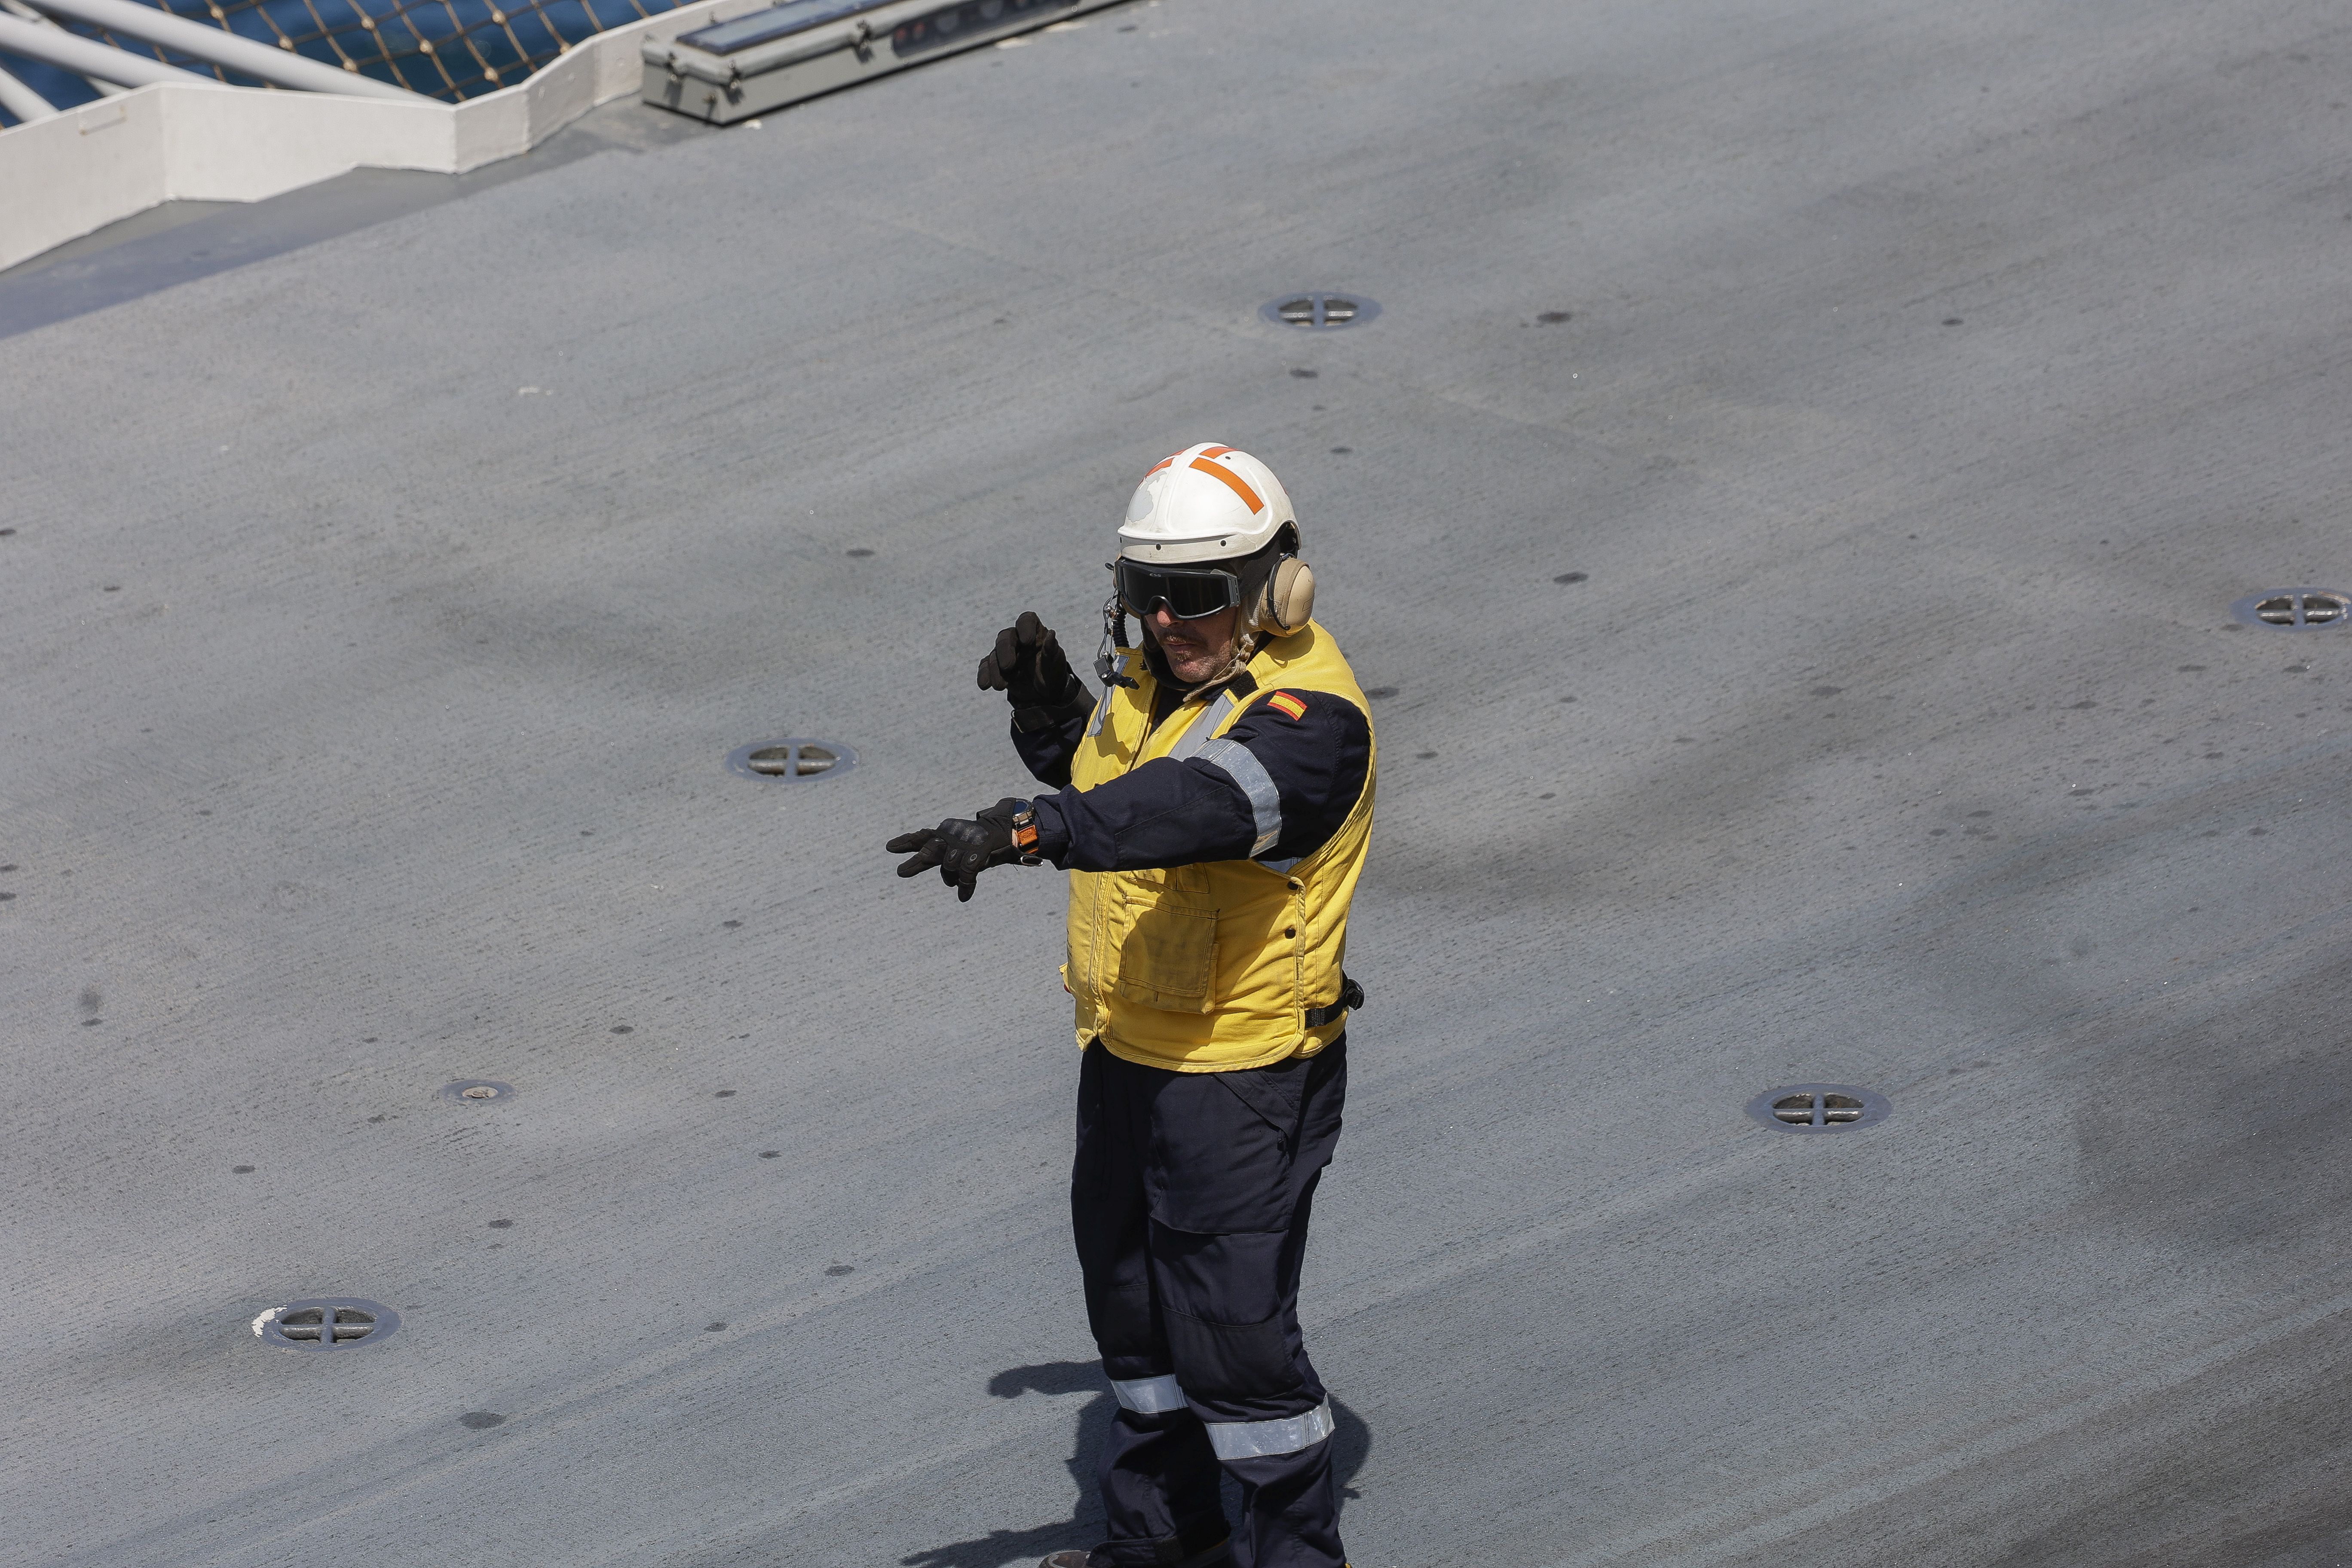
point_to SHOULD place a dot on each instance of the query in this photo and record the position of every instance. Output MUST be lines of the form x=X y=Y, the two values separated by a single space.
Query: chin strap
x=1245 y=649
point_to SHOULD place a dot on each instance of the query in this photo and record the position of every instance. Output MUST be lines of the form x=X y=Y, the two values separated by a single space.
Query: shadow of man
x=1352 y=1443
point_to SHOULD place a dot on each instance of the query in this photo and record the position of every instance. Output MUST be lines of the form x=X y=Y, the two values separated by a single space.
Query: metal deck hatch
x=1320 y=311
x=1819 y=1108
x=749 y=65
x=793 y=759
x=775 y=22
x=326 y=1323
x=2294 y=609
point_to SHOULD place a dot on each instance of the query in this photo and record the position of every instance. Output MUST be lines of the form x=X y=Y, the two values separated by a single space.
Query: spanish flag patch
x=1288 y=704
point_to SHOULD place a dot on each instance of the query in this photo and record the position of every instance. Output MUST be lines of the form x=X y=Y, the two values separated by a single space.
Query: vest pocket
x=1082 y=976
x=1169 y=957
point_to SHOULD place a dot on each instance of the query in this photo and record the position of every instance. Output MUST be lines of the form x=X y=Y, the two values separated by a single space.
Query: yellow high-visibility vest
x=1213 y=967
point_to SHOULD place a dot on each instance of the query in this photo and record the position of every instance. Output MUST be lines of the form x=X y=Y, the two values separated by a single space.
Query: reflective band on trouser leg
x=1150 y=1396
x=1237 y=763
x=1264 y=1439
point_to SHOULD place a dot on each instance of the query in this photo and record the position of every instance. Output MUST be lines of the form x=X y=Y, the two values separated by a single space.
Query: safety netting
x=448 y=50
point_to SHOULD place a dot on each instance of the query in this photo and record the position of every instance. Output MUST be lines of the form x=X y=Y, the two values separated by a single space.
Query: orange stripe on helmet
x=1214 y=451
x=1249 y=496
x=1159 y=465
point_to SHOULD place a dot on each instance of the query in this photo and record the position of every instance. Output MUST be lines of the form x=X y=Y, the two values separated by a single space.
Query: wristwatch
x=1024 y=834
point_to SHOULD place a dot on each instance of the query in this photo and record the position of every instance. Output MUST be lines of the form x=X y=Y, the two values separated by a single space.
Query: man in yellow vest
x=1212 y=809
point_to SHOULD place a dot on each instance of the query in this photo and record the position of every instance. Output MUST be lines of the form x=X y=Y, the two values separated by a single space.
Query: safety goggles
x=1191 y=592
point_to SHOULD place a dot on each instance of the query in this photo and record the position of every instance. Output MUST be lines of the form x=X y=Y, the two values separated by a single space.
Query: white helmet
x=1208 y=502
x=1212 y=507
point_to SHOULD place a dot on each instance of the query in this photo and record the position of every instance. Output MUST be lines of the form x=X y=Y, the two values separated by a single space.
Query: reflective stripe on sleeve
x=1237 y=763
x=1264 y=1439
x=1204 y=723
x=1150 y=1396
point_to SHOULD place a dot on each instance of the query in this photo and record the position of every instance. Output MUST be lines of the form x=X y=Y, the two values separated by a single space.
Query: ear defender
x=1289 y=597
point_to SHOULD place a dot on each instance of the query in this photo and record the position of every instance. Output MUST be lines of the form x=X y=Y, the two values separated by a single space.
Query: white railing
x=96 y=164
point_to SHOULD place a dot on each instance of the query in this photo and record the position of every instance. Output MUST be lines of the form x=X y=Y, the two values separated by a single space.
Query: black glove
x=961 y=848
x=1028 y=666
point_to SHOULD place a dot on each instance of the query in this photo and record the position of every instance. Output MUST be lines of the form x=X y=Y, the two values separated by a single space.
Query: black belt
x=1351 y=996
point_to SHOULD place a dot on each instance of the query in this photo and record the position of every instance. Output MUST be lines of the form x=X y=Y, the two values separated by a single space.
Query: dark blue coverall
x=1190 y=1192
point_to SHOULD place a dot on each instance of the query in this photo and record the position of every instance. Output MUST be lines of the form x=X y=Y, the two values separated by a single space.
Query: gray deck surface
x=1934 y=377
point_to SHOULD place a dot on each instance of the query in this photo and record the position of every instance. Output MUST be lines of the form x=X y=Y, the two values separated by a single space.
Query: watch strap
x=1024 y=836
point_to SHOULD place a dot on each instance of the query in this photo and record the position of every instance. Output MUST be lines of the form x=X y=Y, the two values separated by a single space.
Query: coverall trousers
x=1190 y=1197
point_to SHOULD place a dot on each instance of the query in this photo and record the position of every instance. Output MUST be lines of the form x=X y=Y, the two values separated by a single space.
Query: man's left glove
x=963 y=847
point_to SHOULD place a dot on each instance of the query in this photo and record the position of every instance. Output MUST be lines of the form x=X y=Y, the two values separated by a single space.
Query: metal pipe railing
x=218 y=46
x=18 y=8
x=22 y=102
x=87 y=56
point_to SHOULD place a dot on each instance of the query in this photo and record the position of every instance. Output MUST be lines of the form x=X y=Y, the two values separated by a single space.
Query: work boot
x=1101 y=1557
